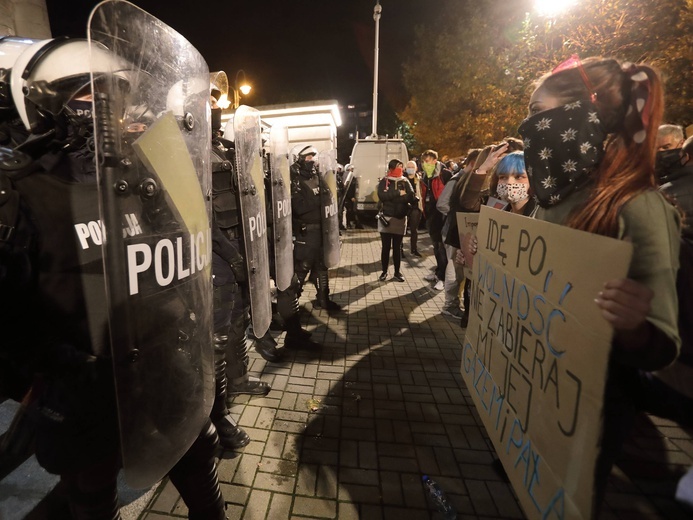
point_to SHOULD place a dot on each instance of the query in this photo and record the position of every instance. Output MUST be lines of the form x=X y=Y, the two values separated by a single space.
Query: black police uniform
x=287 y=300
x=228 y=267
x=72 y=403
x=266 y=345
x=231 y=301
x=306 y=209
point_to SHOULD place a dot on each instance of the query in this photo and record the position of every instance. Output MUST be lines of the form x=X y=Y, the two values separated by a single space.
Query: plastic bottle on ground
x=439 y=499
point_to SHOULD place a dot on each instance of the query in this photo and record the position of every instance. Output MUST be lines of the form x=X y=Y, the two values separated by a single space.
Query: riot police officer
x=228 y=267
x=307 y=207
x=278 y=182
x=55 y=263
x=231 y=305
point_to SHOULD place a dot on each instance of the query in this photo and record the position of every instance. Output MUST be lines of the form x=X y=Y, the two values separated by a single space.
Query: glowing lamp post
x=553 y=8
x=241 y=86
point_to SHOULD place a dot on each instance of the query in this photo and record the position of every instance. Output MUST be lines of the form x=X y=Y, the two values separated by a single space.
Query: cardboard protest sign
x=536 y=353
x=466 y=225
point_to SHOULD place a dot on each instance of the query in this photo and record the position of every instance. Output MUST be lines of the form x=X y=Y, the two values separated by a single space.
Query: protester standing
x=591 y=135
x=396 y=194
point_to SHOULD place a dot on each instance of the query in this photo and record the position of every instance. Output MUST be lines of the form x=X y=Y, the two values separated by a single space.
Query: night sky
x=290 y=50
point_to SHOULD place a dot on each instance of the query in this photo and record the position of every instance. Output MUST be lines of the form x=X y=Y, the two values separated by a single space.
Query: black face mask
x=307 y=168
x=562 y=147
x=216 y=120
x=667 y=161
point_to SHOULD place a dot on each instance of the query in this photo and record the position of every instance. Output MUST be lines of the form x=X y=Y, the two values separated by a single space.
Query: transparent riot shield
x=153 y=138
x=219 y=84
x=327 y=168
x=347 y=183
x=281 y=206
x=251 y=187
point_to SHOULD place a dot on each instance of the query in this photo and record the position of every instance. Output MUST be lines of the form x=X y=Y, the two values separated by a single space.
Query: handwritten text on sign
x=536 y=352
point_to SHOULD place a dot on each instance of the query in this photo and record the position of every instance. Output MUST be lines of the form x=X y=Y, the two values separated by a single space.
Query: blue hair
x=511 y=164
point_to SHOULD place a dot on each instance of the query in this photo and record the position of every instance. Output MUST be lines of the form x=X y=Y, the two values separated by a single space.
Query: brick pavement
x=347 y=433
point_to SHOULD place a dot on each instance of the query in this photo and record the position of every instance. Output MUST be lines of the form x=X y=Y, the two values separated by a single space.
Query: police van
x=370 y=157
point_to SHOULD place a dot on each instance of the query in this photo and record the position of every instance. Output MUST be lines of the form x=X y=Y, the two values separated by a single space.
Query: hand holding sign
x=466 y=227
x=469 y=247
x=625 y=303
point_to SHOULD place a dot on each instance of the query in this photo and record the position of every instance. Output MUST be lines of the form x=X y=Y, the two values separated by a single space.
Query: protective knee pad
x=302 y=268
x=196 y=479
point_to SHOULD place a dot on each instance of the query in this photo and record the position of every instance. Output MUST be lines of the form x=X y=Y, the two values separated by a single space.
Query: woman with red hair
x=589 y=152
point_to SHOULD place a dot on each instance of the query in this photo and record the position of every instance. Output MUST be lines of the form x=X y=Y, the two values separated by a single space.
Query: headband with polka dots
x=640 y=106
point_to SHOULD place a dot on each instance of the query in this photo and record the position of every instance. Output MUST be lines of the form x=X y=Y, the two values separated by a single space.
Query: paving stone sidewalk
x=348 y=432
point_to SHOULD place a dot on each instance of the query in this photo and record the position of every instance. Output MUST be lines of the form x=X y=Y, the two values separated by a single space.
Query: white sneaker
x=431 y=277
x=439 y=286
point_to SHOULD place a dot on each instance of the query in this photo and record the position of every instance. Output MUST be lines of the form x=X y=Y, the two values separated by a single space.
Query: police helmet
x=184 y=92
x=305 y=152
x=50 y=73
x=10 y=49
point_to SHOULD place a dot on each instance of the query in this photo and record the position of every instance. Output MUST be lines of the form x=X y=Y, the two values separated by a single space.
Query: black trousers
x=414 y=221
x=92 y=491
x=395 y=242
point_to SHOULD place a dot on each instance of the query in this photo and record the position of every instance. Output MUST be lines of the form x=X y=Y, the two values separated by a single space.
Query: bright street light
x=240 y=86
x=553 y=8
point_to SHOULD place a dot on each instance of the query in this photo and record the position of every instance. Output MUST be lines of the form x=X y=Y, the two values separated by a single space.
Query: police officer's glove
x=238 y=268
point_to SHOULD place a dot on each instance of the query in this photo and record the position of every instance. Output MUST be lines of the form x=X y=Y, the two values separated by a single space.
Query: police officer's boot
x=239 y=380
x=266 y=346
x=196 y=479
x=323 y=292
x=231 y=436
x=296 y=337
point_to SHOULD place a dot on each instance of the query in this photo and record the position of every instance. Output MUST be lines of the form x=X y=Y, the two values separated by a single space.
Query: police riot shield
x=153 y=138
x=219 y=86
x=251 y=189
x=281 y=206
x=327 y=168
x=348 y=177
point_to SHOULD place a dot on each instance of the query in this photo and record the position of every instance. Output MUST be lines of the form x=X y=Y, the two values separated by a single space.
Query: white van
x=370 y=158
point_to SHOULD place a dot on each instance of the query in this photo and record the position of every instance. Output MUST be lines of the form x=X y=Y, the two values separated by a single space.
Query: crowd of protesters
x=593 y=156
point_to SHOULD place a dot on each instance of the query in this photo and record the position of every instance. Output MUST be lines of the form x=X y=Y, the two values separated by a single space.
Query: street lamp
x=552 y=8
x=240 y=87
x=377 y=10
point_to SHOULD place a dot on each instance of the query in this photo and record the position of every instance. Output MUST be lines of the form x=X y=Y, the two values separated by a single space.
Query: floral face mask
x=513 y=193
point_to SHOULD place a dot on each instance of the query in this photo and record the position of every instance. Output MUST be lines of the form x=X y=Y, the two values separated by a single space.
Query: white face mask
x=411 y=171
x=513 y=193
